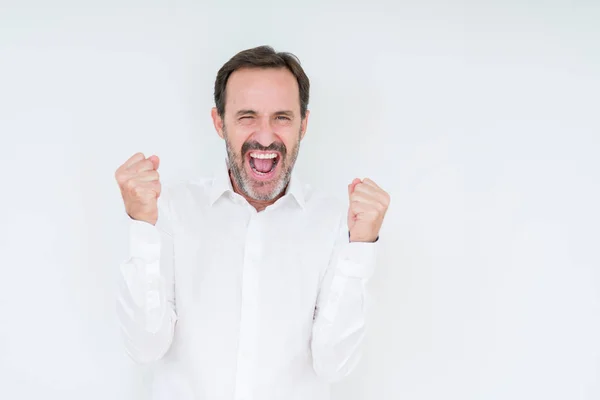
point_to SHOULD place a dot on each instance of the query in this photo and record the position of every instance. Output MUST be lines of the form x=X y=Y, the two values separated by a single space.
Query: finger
x=156 y=186
x=364 y=188
x=352 y=185
x=153 y=186
x=361 y=202
x=370 y=182
x=364 y=198
x=134 y=159
x=372 y=191
x=360 y=207
x=155 y=161
x=147 y=176
x=145 y=191
x=123 y=168
x=141 y=166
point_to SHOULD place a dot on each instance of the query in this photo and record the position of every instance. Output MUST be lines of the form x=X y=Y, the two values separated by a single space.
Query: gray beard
x=235 y=163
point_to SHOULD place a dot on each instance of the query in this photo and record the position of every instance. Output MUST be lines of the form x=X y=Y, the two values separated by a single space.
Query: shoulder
x=183 y=193
x=181 y=187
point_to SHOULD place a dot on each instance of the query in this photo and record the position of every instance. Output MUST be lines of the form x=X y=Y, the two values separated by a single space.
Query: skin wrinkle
x=262 y=113
x=244 y=182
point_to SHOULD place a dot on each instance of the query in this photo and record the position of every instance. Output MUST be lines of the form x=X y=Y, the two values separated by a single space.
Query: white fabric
x=229 y=303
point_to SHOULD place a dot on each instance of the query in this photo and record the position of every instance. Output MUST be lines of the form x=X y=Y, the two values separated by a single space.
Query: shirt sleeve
x=146 y=290
x=341 y=309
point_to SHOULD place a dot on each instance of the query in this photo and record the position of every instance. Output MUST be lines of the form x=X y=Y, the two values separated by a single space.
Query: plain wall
x=482 y=120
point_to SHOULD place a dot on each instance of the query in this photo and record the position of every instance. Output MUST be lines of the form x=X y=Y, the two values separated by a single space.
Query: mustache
x=254 y=145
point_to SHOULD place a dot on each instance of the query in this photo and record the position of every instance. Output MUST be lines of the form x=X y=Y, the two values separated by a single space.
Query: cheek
x=291 y=141
x=236 y=138
x=289 y=135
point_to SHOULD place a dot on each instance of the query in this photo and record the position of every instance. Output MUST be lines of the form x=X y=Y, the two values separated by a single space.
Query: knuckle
x=141 y=166
x=138 y=191
x=129 y=184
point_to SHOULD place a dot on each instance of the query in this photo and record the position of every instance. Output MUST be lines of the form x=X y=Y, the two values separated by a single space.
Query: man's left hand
x=368 y=205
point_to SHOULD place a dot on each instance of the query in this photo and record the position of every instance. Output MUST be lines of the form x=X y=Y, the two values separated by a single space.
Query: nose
x=265 y=133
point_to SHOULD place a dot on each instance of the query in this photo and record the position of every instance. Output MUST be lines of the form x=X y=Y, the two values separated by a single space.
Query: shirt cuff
x=144 y=241
x=357 y=259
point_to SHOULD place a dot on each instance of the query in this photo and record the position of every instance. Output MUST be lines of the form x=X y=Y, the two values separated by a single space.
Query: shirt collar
x=221 y=184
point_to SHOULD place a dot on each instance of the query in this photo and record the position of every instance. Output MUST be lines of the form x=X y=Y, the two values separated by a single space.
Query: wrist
x=148 y=219
x=363 y=239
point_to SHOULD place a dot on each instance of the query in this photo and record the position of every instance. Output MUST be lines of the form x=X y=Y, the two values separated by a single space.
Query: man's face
x=262 y=128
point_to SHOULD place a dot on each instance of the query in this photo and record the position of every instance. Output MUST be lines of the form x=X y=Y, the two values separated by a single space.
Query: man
x=247 y=285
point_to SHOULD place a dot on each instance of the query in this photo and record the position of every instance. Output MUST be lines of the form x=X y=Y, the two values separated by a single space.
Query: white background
x=481 y=119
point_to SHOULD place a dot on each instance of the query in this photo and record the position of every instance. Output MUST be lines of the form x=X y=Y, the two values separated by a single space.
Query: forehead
x=263 y=90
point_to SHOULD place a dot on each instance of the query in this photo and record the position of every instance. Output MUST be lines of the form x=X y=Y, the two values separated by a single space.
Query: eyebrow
x=243 y=112
x=288 y=113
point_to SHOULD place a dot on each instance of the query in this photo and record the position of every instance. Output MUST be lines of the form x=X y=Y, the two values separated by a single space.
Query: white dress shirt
x=229 y=303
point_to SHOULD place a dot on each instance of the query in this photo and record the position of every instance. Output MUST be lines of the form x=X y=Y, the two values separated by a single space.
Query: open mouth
x=263 y=164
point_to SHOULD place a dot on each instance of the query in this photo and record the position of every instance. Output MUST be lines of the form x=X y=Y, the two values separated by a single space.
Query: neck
x=259 y=205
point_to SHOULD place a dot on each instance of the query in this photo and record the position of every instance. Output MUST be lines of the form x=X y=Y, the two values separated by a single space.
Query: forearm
x=145 y=306
x=338 y=333
x=340 y=320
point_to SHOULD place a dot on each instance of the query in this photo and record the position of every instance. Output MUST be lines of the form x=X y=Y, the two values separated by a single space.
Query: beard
x=261 y=190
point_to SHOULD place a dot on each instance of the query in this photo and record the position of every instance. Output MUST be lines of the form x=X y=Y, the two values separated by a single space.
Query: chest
x=271 y=261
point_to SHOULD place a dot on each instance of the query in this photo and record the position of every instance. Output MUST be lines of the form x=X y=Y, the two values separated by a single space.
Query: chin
x=260 y=191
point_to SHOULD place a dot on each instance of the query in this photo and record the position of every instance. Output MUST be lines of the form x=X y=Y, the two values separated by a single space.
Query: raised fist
x=140 y=187
x=368 y=205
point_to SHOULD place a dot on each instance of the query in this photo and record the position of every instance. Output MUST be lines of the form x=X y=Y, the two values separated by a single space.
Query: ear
x=217 y=121
x=304 y=125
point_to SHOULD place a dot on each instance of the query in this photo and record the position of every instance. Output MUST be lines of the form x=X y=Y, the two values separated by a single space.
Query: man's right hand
x=139 y=182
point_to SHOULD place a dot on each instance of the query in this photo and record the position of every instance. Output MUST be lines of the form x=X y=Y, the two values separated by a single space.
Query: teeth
x=263 y=155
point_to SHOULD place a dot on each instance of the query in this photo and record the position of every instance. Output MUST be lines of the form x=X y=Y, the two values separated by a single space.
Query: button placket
x=249 y=309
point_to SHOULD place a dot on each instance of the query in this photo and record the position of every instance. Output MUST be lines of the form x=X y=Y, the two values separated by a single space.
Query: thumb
x=352 y=185
x=155 y=161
